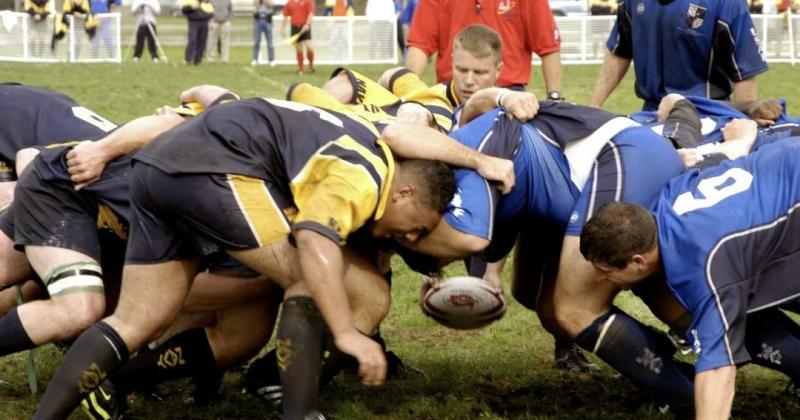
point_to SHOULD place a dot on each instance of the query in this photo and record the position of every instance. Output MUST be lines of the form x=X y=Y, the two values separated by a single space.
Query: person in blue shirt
x=104 y=27
x=693 y=47
x=726 y=239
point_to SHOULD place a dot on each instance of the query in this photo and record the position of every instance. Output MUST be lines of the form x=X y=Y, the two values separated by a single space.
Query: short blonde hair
x=480 y=41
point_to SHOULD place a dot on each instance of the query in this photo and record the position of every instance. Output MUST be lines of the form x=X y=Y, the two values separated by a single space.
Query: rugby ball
x=464 y=303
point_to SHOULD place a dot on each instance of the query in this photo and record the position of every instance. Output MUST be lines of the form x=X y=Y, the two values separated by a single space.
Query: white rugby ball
x=464 y=303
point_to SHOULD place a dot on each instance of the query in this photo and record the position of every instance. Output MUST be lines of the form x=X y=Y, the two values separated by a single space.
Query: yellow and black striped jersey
x=330 y=163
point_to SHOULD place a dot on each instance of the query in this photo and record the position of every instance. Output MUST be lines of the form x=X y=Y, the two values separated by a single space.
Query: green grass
x=502 y=371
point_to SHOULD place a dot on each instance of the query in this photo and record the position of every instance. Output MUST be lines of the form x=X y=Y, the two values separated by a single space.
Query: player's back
x=742 y=210
x=41 y=116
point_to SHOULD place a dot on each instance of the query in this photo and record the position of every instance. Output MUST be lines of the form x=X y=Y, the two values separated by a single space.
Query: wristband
x=555 y=95
x=499 y=99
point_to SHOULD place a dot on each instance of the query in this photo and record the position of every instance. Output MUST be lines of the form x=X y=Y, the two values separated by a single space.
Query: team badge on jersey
x=695 y=16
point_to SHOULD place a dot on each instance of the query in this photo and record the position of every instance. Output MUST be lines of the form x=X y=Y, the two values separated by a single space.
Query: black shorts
x=194 y=215
x=305 y=37
x=54 y=214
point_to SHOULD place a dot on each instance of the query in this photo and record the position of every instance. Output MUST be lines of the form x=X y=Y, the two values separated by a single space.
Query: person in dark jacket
x=198 y=12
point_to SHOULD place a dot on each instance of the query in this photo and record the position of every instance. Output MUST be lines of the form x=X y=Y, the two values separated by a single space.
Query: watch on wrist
x=554 y=95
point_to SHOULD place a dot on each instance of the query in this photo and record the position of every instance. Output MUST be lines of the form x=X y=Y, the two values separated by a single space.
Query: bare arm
x=551 y=71
x=611 y=73
x=416 y=60
x=714 y=391
x=87 y=160
x=746 y=90
x=417 y=142
x=520 y=105
x=447 y=243
x=322 y=265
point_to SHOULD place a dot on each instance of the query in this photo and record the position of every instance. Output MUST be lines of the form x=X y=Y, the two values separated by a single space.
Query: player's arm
x=520 y=105
x=551 y=71
x=448 y=243
x=417 y=142
x=416 y=60
x=86 y=161
x=713 y=394
x=764 y=111
x=207 y=95
x=745 y=90
x=322 y=265
x=611 y=73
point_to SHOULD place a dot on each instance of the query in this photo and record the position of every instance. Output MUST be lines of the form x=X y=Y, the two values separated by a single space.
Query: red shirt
x=298 y=11
x=525 y=26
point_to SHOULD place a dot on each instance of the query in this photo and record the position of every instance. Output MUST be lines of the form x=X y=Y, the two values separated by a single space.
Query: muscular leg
x=583 y=309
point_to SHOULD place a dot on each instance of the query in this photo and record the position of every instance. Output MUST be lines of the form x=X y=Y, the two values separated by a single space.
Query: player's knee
x=79 y=311
x=369 y=313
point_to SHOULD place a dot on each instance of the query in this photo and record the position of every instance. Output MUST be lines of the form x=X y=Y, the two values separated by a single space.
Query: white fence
x=24 y=39
x=337 y=40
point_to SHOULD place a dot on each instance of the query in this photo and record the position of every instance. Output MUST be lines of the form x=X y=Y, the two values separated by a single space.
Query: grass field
x=502 y=371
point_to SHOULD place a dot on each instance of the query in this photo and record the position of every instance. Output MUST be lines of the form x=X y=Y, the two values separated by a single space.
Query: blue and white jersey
x=569 y=160
x=713 y=115
x=729 y=238
x=692 y=47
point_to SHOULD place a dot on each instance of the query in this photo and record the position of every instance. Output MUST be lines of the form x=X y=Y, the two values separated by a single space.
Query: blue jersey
x=729 y=239
x=568 y=160
x=713 y=115
x=692 y=47
x=42 y=117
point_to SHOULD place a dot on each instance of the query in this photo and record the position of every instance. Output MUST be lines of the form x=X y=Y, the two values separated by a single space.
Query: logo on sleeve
x=457 y=204
x=695 y=16
x=696 y=347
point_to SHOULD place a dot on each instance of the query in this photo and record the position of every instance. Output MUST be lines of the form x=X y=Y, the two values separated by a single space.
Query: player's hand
x=414 y=113
x=764 y=111
x=520 y=105
x=427 y=283
x=493 y=277
x=740 y=129
x=85 y=163
x=371 y=360
x=498 y=170
x=689 y=156
x=666 y=105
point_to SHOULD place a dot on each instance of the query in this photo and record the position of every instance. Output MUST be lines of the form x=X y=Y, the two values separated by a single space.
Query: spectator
x=756 y=6
x=145 y=11
x=602 y=7
x=198 y=13
x=219 y=31
x=104 y=31
x=525 y=27
x=300 y=13
x=38 y=9
x=263 y=25
x=710 y=51
x=81 y=12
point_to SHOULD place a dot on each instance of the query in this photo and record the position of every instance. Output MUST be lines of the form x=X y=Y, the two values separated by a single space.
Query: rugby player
x=247 y=157
x=726 y=240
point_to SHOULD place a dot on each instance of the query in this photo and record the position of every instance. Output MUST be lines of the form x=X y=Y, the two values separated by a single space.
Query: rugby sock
x=300 y=61
x=642 y=355
x=299 y=354
x=187 y=354
x=13 y=337
x=770 y=341
x=91 y=359
x=310 y=55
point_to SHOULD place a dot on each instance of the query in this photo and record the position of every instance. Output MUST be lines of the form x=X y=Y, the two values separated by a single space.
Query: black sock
x=299 y=352
x=187 y=354
x=641 y=355
x=770 y=341
x=13 y=337
x=93 y=357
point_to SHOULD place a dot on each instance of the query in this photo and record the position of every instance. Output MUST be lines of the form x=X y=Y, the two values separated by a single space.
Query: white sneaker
x=272 y=63
x=135 y=59
x=155 y=60
x=254 y=63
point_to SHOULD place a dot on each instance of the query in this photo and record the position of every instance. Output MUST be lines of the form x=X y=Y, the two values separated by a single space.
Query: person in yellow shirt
x=38 y=10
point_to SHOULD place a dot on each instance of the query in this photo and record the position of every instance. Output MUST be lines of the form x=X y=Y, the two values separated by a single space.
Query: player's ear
x=499 y=66
x=405 y=191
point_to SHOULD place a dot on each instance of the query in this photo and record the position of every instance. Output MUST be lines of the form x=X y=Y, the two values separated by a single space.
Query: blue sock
x=770 y=341
x=642 y=355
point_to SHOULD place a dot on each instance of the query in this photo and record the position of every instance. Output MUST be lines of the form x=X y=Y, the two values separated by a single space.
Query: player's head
x=621 y=240
x=477 y=52
x=420 y=192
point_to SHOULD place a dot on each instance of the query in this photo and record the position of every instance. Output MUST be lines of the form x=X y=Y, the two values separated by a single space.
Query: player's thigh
x=367 y=290
x=535 y=263
x=242 y=330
